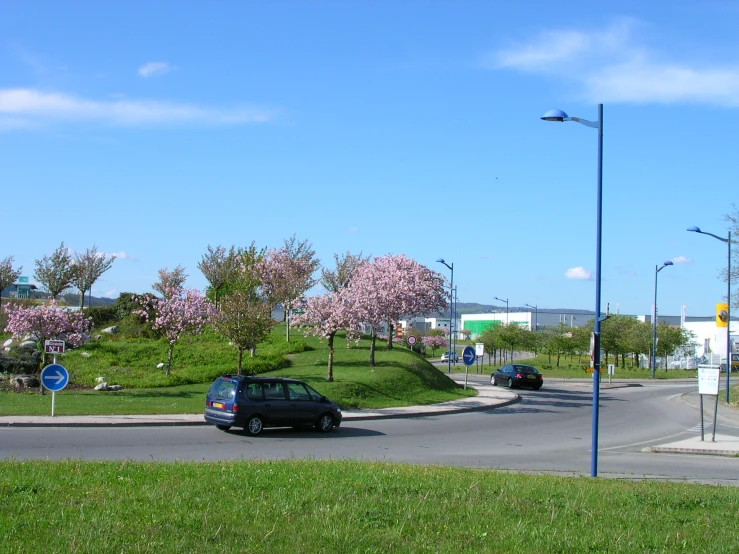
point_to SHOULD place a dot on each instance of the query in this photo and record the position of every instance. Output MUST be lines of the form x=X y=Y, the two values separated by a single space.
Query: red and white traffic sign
x=54 y=346
x=411 y=340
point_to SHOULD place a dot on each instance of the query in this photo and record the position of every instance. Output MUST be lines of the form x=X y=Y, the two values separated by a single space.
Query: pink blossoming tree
x=179 y=312
x=287 y=273
x=392 y=287
x=434 y=342
x=324 y=316
x=48 y=322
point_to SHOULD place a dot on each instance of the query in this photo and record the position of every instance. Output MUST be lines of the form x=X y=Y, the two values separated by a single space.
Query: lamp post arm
x=581 y=121
x=715 y=236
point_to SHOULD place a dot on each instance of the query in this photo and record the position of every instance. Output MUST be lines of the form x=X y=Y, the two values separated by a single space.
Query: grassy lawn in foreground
x=400 y=378
x=344 y=506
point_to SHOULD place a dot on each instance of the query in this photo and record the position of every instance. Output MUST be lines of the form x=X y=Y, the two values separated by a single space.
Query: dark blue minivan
x=254 y=403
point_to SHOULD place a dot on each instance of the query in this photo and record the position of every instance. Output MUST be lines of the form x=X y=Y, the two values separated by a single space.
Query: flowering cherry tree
x=324 y=316
x=179 y=312
x=48 y=322
x=392 y=287
x=434 y=342
x=287 y=272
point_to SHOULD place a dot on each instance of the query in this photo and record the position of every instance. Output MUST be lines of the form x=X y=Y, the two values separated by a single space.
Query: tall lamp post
x=728 y=301
x=451 y=313
x=559 y=115
x=657 y=269
x=506 y=307
x=536 y=316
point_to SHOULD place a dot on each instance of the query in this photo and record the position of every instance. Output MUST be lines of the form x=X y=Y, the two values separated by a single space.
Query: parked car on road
x=517 y=375
x=450 y=356
x=254 y=403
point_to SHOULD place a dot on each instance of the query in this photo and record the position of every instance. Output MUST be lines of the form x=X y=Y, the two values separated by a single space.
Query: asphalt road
x=549 y=430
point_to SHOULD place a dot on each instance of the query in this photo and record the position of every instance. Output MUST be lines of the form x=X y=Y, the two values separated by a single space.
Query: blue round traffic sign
x=54 y=377
x=469 y=356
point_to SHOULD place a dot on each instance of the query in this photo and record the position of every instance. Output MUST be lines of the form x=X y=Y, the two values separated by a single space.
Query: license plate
x=218 y=405
x=532 y=376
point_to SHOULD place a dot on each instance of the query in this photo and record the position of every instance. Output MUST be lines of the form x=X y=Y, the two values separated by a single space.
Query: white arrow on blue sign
x=54 y=377
x=469 y=356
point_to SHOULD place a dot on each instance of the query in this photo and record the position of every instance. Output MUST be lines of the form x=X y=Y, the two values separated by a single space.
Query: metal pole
x=451 y=319
x=715 y=412
x=728 y=324
x=596 y=326
x=654 y=325
x=455 y=324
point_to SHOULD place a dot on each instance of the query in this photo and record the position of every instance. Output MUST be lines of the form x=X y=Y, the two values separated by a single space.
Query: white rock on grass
x=100 y=379
x=160 y=365
x=7 y=343
x=101 y=386
x=85 y=354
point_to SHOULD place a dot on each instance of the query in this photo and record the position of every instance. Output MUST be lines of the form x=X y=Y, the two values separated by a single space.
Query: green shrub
x=102 y=316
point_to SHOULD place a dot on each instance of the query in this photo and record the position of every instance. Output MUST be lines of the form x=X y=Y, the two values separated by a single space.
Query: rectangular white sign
x=479 y=349
x=54 y=346
x=708 y=378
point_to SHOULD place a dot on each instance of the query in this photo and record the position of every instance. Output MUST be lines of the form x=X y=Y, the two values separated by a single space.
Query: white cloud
x=681 y=260
x=111 y=294
x=578 y=273
x=29 y=107
x=154 y=69
x=609 y=65
x=121 y=256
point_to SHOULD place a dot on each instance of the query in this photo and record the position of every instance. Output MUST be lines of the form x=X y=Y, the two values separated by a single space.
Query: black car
x=517 y=375
x=254 y=403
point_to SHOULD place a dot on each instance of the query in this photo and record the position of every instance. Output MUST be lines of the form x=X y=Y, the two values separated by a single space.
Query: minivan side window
x=254 y=391
x=273 y=391
x=297 y=391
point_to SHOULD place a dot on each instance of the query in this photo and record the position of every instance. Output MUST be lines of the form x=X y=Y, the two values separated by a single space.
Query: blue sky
x=155 y=129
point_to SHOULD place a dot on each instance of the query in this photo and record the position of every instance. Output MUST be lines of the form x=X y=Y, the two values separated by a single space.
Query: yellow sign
x=722 y=314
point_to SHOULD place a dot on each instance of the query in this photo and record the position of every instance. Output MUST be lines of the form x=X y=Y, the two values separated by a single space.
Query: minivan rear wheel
x=254 y=425
x=325 y=423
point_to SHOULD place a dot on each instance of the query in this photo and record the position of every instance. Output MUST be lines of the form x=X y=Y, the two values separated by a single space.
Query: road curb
x=433 y=413
x=679 y=450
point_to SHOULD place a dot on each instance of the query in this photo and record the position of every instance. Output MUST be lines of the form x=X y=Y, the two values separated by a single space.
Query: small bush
x=102 y=316
x=21 y=359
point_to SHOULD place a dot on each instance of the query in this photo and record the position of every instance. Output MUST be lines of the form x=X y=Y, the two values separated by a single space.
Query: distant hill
x=70 y=299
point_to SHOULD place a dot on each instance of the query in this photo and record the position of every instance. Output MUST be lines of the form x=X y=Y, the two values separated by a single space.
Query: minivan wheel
x=510 y=384
x=254 y=425
x=223 y=427
x=493 y=381
x=325 y=423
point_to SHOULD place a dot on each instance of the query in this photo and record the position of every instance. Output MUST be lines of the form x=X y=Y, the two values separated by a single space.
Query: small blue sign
x=54 y=377
x=469 y=356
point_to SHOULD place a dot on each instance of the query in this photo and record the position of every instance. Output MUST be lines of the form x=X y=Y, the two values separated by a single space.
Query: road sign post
x=54 y=377
x=411 y=340
x=468 y=357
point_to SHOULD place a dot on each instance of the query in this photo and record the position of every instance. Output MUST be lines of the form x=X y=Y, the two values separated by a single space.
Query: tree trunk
x=372 y=347
x=287 y=323
x=331 y=357
x=558 y=355
x=390 y=331
x=253 y=351
x=169 y=359
x=82 y=300
x=241 y=353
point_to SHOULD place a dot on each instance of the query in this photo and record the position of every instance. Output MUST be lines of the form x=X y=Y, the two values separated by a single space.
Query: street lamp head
x=555 y=115
x=668 y=262
x=440 y=260
x=694 y=229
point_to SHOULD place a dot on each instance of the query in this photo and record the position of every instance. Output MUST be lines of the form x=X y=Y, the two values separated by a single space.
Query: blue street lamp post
x=506 y=307
x=654 y=322
x=451 y=313
x=728 y=302
x=559 y=115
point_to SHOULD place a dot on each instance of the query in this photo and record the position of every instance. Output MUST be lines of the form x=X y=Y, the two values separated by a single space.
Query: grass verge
x=344 y=506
